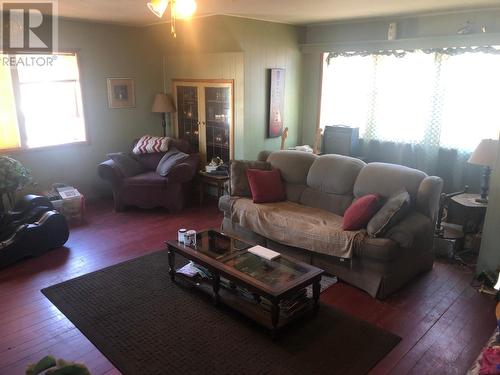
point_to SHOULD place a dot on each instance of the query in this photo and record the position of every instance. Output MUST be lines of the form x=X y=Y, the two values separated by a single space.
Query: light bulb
x=184 y=8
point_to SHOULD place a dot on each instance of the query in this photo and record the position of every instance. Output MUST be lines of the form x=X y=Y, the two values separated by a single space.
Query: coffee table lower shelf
x=250 y=309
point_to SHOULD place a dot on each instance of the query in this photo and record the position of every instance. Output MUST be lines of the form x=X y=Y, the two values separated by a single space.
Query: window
x=40 y=101
x=433 y=98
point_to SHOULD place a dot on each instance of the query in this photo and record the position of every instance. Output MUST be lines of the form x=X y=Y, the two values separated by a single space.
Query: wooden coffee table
x=271 y=292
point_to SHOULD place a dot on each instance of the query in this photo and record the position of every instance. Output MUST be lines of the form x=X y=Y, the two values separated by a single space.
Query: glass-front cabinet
x=205 y=116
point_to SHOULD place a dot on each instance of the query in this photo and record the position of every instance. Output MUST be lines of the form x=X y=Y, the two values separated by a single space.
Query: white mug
x=190 y=238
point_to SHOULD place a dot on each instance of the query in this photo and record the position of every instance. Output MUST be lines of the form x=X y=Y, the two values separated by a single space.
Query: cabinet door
x=217 y=126
x=188 y=121
x=205 y=116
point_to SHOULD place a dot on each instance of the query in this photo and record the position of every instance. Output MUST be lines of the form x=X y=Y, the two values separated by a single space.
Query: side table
x=207 y=179
x=472 y=214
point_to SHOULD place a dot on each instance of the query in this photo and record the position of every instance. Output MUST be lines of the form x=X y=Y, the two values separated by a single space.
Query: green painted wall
x=104 y=51
x=489 y=256
x=268 y=45
x=211 y=47
x=207 y=48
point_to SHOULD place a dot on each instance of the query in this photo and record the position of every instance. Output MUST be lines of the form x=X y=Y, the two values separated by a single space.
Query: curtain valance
x=451 y=51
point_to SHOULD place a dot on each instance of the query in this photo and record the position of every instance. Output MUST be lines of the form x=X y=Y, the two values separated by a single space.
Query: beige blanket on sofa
x=297 y=225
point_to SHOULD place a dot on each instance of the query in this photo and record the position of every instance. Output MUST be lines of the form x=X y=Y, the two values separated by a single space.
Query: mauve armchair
x=148 y=189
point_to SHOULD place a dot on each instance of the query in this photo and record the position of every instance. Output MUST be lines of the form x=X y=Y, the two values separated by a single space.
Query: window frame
x=320 y=94
x=20 y=118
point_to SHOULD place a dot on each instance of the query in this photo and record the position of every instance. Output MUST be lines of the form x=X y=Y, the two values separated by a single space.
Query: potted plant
x=13 y=177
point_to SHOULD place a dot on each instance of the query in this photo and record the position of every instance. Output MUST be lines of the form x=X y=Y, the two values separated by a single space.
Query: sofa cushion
x=360 y=212
x=171 y=158
x=126 y=164
x=334 y=174
x=294 y=165
x=297 y=225
x=146 y=179
x=390 y=214
x=336 y=203
x=238 y=172
x=388 y=179
x=266 y=186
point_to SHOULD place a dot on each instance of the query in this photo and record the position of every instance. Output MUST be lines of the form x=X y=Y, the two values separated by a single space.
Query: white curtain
x=440 y=98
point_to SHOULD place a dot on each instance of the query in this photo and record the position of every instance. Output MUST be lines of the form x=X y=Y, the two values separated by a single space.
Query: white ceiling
x=135 y=12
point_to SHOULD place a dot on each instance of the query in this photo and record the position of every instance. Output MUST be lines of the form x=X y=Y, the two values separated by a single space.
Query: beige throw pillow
x=390 y=214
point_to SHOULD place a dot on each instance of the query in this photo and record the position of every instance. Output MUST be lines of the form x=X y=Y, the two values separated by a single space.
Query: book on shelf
x=193 y=270
x=289 y=306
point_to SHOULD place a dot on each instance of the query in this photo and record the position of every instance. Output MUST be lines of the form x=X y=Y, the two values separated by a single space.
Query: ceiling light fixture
x=178 y=9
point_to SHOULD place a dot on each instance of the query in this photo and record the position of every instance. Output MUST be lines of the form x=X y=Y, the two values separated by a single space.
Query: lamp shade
x=163 y=104
x=158 y=7
x=486 y=153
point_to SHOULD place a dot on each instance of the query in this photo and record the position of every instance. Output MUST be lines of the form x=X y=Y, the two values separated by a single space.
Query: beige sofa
x=324 y=187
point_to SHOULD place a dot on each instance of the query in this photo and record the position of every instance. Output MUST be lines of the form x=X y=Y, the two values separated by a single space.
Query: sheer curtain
x=417 y=108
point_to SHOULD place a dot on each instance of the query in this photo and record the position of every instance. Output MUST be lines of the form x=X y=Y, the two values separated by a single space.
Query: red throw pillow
x=360 y=212
x=266 y=186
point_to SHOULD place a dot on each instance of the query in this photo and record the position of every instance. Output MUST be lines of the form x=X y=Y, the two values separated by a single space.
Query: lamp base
x=164 y=125
x=485 y=186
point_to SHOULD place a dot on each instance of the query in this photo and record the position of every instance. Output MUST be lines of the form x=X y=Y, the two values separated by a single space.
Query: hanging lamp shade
x=158 y=7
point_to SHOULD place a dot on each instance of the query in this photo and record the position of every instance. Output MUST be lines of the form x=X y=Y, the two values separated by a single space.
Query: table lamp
x=163 y=104
x=485 y=154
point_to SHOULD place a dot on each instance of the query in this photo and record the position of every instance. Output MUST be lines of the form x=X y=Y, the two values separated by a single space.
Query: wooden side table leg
x=220 y=189
x=216 y=288
x=316 y=291
x=171 y=263
x=202 y=191
x=275 y=316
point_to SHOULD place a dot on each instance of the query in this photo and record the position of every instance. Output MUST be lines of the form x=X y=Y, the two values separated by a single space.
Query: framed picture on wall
x=276 y=102
x=121 y=93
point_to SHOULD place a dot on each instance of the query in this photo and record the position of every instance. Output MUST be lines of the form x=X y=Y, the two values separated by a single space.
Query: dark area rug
x=144 y=324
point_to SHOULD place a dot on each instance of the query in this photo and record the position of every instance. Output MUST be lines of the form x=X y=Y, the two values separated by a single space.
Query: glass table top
x=233 y=253
x=270 y=272
x=218 y=246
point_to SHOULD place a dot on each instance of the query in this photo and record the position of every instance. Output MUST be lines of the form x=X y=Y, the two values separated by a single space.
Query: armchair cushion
x=185 y=171
x=171 y=158
x=126 y=164
x=146 y=179
x=150 y=145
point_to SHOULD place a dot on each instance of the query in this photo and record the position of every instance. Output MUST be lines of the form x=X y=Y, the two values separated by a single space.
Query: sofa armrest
x=428 y=195
x=109 y=171
x=379 y=249
x=413 y=229
x=185 y=171
x=226 y=204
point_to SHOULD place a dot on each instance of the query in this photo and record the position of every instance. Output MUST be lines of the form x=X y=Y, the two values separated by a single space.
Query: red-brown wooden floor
x=443 y=321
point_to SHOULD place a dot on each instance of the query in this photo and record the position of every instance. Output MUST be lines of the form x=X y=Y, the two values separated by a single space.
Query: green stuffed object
x=49 y=366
